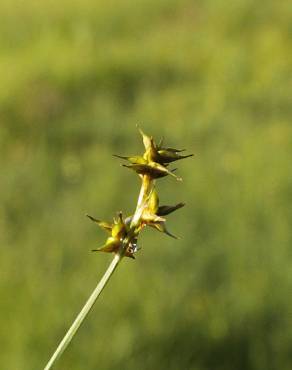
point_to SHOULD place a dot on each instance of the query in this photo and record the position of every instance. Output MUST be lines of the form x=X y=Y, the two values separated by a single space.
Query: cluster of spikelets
x=152 y=165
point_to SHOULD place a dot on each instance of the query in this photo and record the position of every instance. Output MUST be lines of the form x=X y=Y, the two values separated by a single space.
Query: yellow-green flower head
x=152 y=214
x=155 y=159
x=159 y=154
x=118 y=230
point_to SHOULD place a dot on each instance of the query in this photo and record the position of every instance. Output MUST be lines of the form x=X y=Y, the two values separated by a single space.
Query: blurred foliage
x=211 y=76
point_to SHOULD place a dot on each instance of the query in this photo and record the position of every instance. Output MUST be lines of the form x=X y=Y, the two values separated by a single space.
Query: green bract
x=153 y=169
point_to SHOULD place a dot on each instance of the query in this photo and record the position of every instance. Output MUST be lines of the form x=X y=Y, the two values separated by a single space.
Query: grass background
x=211 y=76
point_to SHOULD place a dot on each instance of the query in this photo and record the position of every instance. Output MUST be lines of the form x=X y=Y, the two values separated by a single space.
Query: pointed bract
x=149 y=217
x=111 y=245
x=160 y=226
x=166 y=210
x=147 y=140
x=173 y=150
x=103 y=224
x=168 y=156
x=155 y=170
x=135 y=159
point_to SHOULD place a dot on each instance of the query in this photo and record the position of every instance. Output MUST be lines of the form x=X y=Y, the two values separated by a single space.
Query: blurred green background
x=211 y=76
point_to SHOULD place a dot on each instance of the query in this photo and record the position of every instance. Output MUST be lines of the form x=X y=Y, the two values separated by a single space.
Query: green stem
x=146 y=188
x=84 y=312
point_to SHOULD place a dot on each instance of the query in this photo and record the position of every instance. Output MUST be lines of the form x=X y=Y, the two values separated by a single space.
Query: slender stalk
x=147 y=185
x=84 y=312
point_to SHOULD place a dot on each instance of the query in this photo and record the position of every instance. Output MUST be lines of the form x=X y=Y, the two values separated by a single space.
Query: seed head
x=150 y=166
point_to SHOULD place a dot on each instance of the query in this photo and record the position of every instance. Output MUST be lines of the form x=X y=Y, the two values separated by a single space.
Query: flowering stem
x=147 y=184
x=146 y=188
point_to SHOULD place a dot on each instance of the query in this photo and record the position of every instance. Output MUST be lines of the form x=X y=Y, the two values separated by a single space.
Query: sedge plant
x=122 y=232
